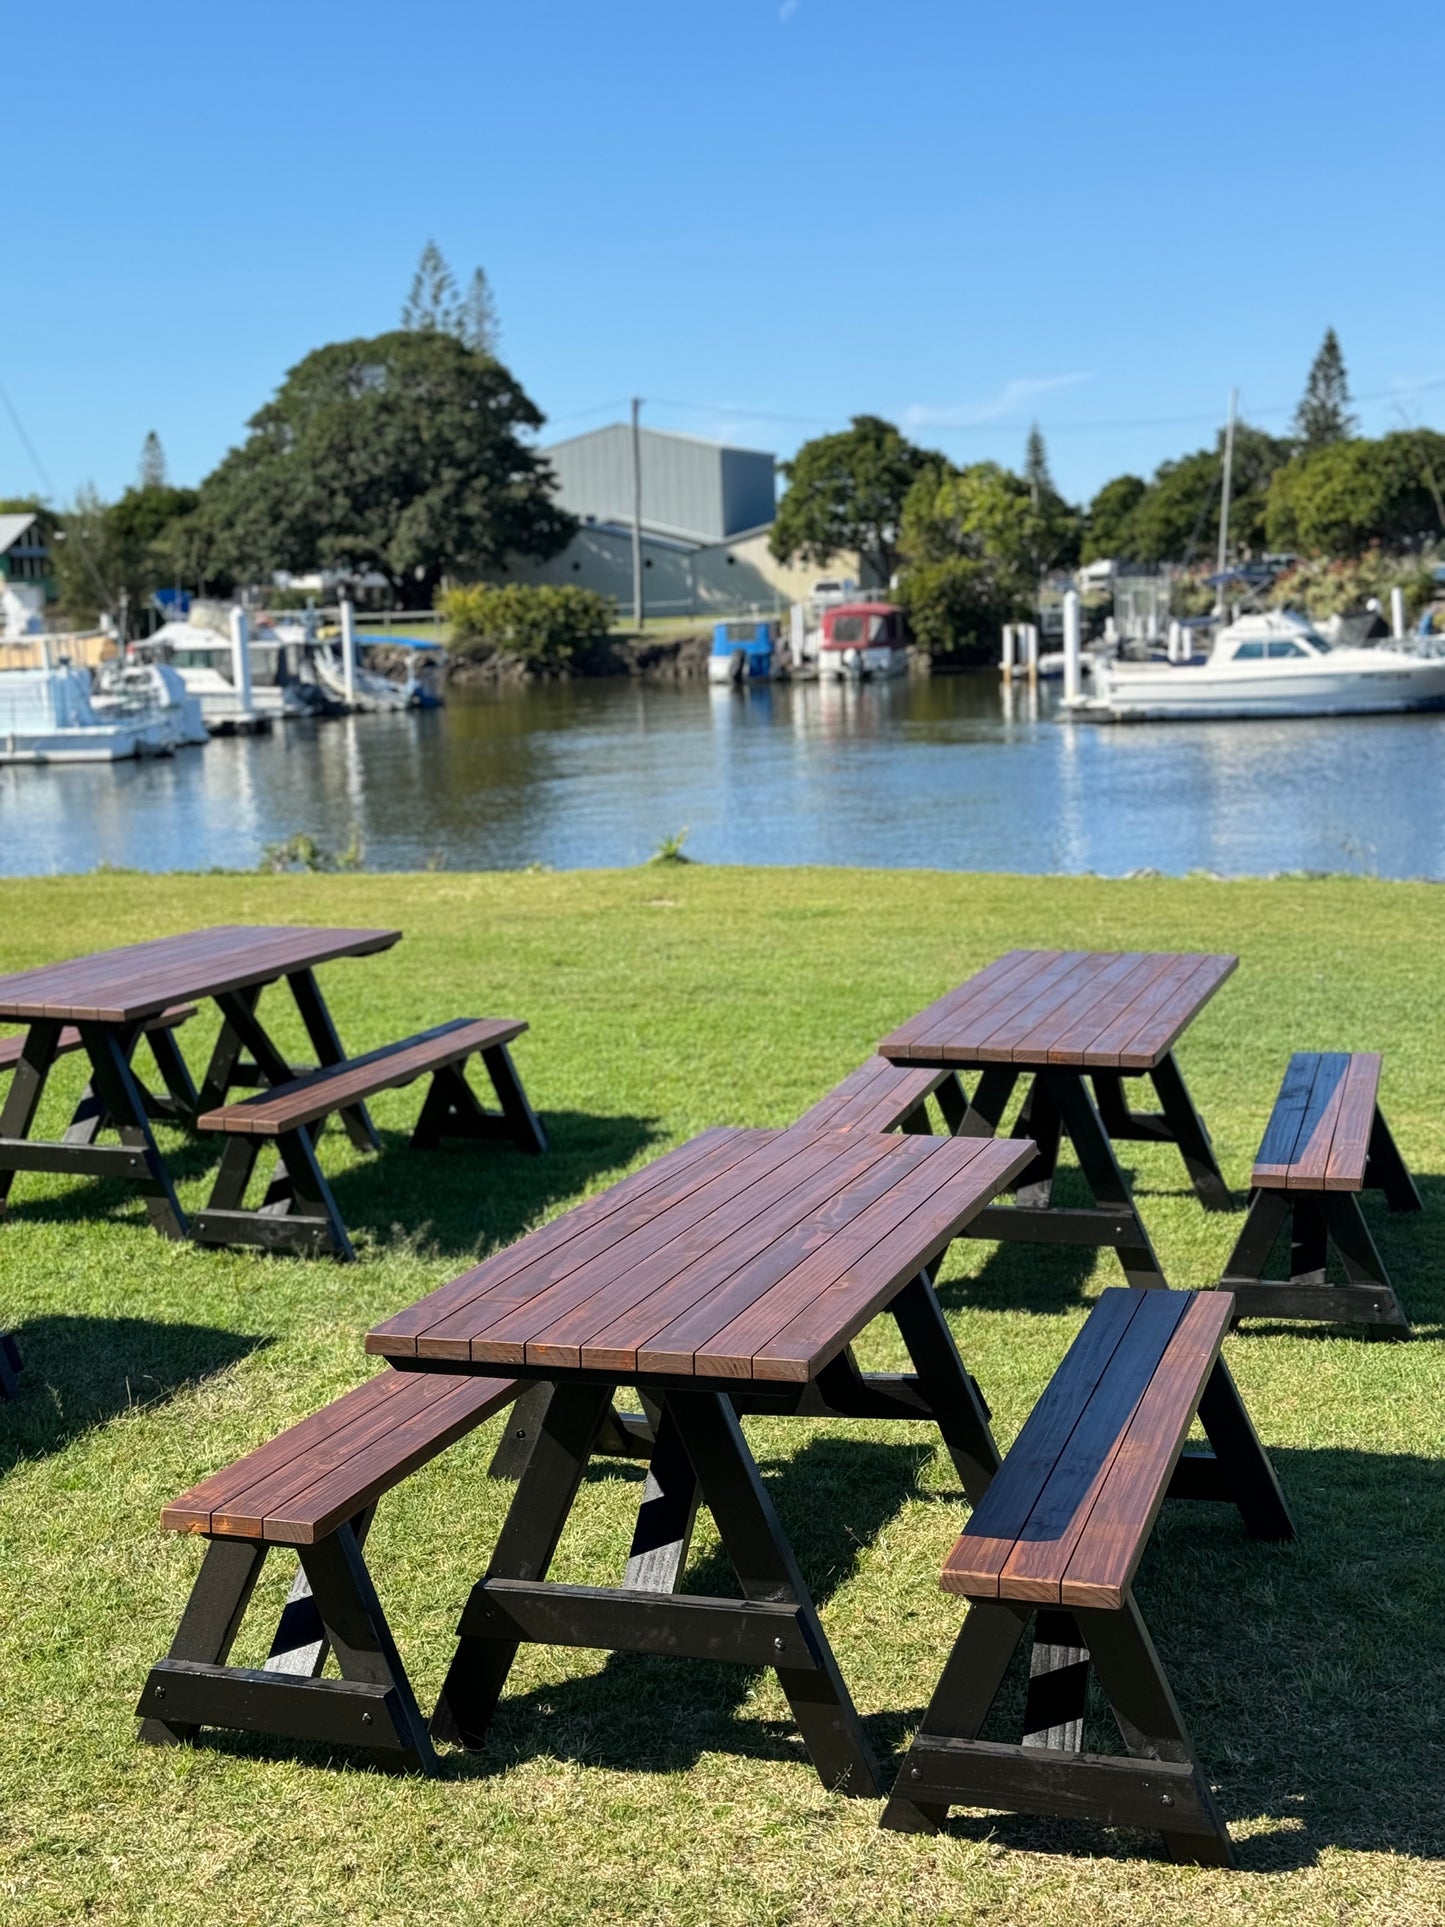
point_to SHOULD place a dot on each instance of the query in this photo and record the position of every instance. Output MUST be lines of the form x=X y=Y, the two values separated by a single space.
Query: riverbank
x=663 y=1000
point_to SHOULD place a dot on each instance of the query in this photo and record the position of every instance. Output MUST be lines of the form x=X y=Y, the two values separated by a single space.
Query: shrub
x=956 y=608
x=545 y=628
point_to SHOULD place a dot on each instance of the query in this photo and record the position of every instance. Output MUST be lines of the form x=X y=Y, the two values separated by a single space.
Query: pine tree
x=1324 y=414
x=480 y=329
x=1036 y=467
x=152 y=473
x=432 y=303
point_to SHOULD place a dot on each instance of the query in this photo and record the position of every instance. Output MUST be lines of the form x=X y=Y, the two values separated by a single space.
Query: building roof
x=12 y=527
x=660 y=434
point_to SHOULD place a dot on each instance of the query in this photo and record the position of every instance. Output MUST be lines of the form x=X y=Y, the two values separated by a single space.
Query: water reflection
x=955 y=772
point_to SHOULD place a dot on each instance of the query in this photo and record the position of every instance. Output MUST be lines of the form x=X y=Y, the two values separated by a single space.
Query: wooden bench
x=880 y=1096
x=1326 y=1141
x=314 y=1488
x=1057 y=1539
x=299 y=1211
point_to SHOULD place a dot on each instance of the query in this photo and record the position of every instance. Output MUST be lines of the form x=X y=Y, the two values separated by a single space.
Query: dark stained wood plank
x=1277 y=1148
x=875 y=1097
x=624 y=1300
x=1350 y=1146
x=1035 y=1569
x=1311 y=1159
x=976 y=993
x=416 y=1438
x=1083 y=1004
x=119 y=986
x=789 y=1332
x=1072 y=1046
x=1163 y=1020
x=192 y=1511
x=304 y=1099
x=697 y=1305
x=961 y=1041
x=630 y=1202
x=1108 y=1552
x=686 y=1228
x=972 y=1569
x=1074 y=989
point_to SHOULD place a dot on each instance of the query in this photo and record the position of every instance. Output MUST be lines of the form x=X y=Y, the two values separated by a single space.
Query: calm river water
x=952 y=773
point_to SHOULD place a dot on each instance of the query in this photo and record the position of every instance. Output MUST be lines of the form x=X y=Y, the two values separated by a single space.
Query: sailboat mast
x=1224 y=500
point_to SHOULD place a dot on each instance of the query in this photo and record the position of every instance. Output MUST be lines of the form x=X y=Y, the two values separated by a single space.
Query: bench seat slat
x=1350 y=1146
x=1318 y=1135
x=878 y=1096
x=302 y=1484
x=1066 y=1519
x=305 y=1099
x=1112 y=1543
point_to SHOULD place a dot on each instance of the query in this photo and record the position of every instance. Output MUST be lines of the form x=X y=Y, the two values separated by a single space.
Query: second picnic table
x=109 y=996
x=1065 y=1019
x=731 y=1276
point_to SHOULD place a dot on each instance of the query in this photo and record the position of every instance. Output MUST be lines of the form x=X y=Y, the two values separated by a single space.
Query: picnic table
x=730 y=1276
x=109 y=998
x=1066 y=1020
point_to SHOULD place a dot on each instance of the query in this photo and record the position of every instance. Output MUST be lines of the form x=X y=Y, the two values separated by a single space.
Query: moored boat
x=862 y=641
x=742 y=652
x=46 y=716
x=1275 y=664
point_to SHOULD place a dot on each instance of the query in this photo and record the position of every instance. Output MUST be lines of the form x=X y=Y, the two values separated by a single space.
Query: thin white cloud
x=787 y=10
x=1011 y=399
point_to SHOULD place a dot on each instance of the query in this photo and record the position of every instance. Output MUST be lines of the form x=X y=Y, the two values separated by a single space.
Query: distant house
x=26 y=582
x=707 y=509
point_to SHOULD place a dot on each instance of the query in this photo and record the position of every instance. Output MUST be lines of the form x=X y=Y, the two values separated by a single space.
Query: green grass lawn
x=644 y=1791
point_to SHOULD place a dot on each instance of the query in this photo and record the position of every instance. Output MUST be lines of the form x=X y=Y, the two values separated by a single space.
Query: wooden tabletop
x=120 y=986
x=1091 y=1009
x=742 y=1255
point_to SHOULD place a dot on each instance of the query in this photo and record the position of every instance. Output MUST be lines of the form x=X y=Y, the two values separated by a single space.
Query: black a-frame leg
x=334 y=1608
x=9 y=1367
x=1317 y=1222
x=451 y=1108
x=299 y=1212
x=1159 y=1787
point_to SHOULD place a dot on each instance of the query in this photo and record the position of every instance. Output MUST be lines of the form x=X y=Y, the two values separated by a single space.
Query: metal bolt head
x=777 y=1645
x=160 y=1692
x=366 y=1719
x=1166 y=1799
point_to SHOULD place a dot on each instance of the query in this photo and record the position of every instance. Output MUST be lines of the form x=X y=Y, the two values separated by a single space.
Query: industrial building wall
x=693 y=488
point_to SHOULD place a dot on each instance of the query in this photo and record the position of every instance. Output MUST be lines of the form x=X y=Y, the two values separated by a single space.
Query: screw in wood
x=777 y=1645
x=160 y=1692
x=366 y=1719
x=1166 y=1799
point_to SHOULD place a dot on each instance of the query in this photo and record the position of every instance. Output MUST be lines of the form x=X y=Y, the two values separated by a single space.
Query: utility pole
x=636 y=517
x=1224 y=499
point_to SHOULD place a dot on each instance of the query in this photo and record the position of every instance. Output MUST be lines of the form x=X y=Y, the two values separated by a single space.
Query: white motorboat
x=46 y=716
x=1275 y=664
x=204 y=659
x=369 y=690
x=862 y=641
x=152 y=693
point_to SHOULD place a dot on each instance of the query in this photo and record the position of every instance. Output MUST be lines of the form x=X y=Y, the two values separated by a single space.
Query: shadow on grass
x=78 y=1372
x=1309 y=1674
x=460 y=1195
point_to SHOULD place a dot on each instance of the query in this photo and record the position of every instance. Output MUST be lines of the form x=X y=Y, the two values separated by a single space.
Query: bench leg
x=961 y=1701
x=207 y=1631
x=181 y=1098
x=220 y=1073
x=1319 y=1222
x=526 y=1126
x=948 y=1765
x=1247 y=1474
x=299 y=1212
x=1385 y=1169
x=545 y=1495
x=1153 y=1728
x=1040 y=1120
x=9 y=1367
x=665 y=1519
x=371 y=1705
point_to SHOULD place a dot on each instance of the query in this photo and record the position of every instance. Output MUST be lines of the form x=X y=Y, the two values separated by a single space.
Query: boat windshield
x=848 y=629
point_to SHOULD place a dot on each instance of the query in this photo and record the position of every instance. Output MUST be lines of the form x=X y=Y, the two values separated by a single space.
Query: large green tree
x=847 y=491
x=407 y=454
x=1108 y=530
x=1340 y=499
x=1323 y=416
x=1176 y=519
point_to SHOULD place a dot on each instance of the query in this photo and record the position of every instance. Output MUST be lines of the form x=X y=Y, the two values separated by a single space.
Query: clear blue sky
x=763 y=216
